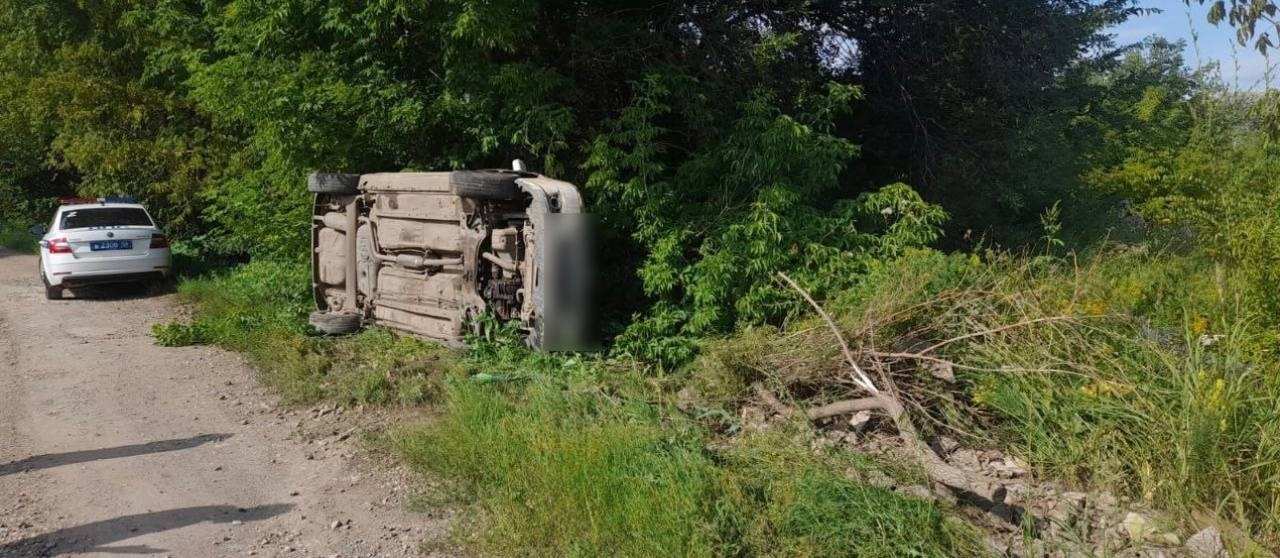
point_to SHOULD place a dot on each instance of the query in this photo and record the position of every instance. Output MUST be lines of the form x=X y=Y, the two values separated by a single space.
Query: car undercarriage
x=430 y=253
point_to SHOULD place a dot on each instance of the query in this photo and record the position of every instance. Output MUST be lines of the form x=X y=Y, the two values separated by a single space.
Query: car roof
x=99 y=205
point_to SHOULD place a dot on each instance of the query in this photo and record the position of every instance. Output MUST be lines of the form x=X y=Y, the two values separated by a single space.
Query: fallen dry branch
x=859 y=376
x=938 y=471
x=846 y=407
x=887 y=402
x=836 y=409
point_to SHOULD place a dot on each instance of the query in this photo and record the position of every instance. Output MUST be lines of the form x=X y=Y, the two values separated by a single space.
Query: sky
x=1215 y=43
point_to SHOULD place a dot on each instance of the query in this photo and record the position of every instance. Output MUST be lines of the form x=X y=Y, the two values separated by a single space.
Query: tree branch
x=860 y=377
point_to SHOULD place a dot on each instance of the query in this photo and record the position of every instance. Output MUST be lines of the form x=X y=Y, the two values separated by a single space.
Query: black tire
x=333 y=323
x=333 y=183
x=159 y=284
x=497 y=185
x=50 y=292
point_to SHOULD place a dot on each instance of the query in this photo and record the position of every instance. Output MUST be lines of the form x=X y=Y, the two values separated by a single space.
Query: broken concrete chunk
x=859 y=420
x=1206 y=544
x=1138 y=527
x=944 y=445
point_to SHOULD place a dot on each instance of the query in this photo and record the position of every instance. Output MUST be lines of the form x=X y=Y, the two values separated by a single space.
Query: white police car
x=109 y=240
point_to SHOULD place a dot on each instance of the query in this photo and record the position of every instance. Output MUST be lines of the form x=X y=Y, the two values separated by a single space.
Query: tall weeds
x=1148 y=373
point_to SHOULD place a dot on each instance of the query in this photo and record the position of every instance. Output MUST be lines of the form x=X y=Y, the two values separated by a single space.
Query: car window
x=105 y=217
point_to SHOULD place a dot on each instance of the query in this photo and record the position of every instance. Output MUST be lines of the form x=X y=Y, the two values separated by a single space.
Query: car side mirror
x=38 y=230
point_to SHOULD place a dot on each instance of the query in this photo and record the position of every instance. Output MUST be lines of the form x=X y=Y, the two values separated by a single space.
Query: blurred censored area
x=569 y=283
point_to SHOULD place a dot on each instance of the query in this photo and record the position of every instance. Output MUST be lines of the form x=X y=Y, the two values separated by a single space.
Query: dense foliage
x=720 y=142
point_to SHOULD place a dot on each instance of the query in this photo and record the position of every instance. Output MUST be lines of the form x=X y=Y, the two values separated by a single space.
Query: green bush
x=15 y=227
x=763 y=198
x=19 y=239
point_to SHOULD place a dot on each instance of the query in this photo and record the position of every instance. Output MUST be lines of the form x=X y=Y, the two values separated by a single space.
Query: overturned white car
x=430 y=253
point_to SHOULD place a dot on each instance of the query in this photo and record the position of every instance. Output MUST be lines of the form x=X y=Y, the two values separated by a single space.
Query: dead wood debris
x=997 y=486
x=885 y=399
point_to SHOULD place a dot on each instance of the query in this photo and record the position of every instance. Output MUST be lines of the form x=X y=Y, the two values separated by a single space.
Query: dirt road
x=112 y=445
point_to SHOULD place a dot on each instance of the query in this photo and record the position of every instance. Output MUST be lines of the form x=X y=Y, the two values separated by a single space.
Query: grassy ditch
x=1150 y=374
x=564 y=455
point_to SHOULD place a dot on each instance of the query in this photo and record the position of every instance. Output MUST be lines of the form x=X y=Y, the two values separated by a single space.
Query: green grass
x=558 y=475
x=1170 y=398
x=260 y=309
x=1158 y=381
x=560 y=467
x=789 y=500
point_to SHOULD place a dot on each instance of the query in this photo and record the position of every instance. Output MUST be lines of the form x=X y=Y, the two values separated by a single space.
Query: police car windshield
x=105 y=217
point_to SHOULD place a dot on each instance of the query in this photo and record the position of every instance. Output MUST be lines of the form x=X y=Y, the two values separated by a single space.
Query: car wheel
x=157 y=285
x=497 y=185
x=333 y=183
x=333 y=323
x=50 y=292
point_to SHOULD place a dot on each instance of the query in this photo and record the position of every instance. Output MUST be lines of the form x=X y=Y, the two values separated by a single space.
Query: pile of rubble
x=1035 y=518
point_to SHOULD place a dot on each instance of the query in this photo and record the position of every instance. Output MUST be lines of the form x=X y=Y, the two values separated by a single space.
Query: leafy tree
x=720 y=142
x=1144 y=118
x=87 y=81
x=762 y=198
x=974 y=103
x=1246 y=16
